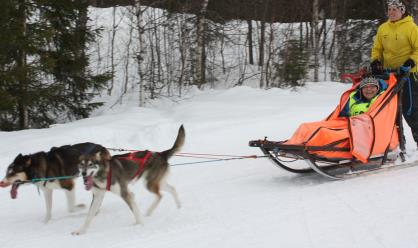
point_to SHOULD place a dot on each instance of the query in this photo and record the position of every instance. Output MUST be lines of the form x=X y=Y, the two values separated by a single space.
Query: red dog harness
x=131 y=156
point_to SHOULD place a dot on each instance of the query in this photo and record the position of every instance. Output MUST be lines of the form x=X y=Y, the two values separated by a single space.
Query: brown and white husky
x=101 y=175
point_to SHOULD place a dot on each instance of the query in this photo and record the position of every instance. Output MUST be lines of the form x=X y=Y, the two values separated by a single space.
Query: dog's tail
x=177 y=144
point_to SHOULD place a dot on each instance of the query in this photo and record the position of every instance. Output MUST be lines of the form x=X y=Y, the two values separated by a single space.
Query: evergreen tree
x=292 y=67
x=44 y=66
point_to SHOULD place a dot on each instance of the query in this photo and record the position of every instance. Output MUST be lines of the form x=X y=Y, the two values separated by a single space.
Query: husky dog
x=101 y=175
x=60 y=163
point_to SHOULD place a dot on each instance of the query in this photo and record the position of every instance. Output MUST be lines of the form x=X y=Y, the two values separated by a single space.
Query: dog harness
x=140 y=161
x=109 y=179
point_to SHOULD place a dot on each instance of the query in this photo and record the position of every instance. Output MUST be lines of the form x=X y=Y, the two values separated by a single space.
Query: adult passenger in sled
x=361 y=99
x=396 y=47
x=358 y=124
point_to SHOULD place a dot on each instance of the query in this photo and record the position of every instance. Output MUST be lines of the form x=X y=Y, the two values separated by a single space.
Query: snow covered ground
x=239 y=203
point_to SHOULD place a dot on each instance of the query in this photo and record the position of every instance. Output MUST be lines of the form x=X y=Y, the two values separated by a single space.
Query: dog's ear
x=98 y=156
x=81 y=158
x=105 y=154
x=18 y=157
x=102 y=155
x=28 y=162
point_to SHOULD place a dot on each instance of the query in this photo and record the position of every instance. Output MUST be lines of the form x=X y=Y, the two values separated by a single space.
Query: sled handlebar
x=385 y=76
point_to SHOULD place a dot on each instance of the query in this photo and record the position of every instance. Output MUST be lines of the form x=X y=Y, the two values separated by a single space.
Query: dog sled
x=344 y=147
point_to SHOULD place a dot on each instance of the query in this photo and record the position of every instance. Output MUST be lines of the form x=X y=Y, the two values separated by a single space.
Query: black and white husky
x=114 y=174
x=60 y=163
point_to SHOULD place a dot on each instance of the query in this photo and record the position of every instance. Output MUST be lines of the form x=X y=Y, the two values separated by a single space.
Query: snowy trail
x=240 y=203
x=240 y=211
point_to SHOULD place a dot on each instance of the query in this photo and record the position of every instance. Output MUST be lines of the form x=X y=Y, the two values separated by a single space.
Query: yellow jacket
x=396 y=42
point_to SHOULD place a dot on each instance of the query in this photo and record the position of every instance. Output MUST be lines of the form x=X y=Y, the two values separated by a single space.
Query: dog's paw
x=138 y=222
x=78 y=232
x=77 y=208
x=47 y=219
x=80 y=206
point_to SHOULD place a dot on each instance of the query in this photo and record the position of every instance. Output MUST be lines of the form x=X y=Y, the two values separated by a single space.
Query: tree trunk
x=204 y=56
x=168 y=42
x=250 y=42
x=300 y=34
x=315 y=17
x=200 y=51
x=152 y=70
x=22 y=64
x=128 y=54
x=269 y=56
x=262 y=41
x=156 y=34
x=141 y=53
x=340 y=42
x=183 y=37
x=261 y=52
x=223 y=50
x=98 y=45
x=324 y=47
x=112 y=52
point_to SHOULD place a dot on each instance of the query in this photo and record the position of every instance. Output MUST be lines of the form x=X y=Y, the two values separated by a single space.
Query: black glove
x=406 y=67
x=409 y=63
x=377 y=67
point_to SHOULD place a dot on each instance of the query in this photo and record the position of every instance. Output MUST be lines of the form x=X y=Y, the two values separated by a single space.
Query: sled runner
x=341 y=147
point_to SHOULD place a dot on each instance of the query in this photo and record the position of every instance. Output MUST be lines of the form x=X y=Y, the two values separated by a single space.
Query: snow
x=237 y=203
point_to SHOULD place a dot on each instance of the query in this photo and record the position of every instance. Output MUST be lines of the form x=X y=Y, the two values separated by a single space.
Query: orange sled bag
x=371 y=134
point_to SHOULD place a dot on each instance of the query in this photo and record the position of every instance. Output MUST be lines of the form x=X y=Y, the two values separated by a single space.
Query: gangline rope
x=209 y=159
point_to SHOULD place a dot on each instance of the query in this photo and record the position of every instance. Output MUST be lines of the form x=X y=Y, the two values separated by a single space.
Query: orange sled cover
x=363 y=136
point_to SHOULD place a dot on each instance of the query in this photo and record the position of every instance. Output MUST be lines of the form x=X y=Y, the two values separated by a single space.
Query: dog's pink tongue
x=13 y=191
x=88 y=182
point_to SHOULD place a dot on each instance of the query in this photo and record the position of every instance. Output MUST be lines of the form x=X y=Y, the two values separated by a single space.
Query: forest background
x=60 y=60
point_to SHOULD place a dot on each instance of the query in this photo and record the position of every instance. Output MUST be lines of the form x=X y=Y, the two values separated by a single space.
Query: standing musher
x=396 y=47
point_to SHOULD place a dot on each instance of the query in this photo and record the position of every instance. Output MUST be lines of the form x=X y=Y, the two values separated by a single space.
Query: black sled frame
x=283 y=157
